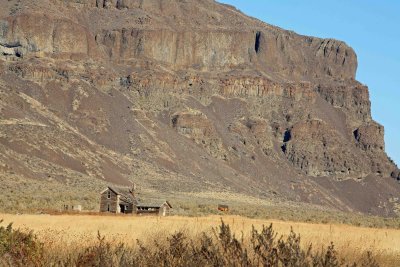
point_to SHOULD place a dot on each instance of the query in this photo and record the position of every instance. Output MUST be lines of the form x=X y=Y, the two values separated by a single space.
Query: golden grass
x=73 y=231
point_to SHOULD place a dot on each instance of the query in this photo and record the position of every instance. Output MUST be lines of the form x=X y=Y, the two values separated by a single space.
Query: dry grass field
x=71 y=232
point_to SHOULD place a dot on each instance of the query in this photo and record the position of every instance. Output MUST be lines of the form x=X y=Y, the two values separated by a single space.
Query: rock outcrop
x=396 y=175
x=370 y=137
x=174 y=39
x=193 y=92
x=195 y=125
x=319 y=150
x=33 y=34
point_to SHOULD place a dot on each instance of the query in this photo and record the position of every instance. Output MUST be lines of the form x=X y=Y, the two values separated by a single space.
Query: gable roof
x=124 y=193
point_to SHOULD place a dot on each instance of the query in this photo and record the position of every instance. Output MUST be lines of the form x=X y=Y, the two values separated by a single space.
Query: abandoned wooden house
x=123 y=200
x=117 y=200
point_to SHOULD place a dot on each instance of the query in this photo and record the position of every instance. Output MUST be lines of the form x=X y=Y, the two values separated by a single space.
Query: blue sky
x=371 y=27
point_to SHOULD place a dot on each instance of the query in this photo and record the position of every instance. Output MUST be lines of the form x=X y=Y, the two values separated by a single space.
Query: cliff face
x=191 y=91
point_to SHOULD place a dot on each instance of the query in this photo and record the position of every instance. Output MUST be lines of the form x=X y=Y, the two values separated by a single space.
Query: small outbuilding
x=77 y=208
x=224 y=208
x=161 y=208
x=74 y=208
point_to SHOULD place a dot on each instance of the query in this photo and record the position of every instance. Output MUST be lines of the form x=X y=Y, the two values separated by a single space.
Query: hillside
x=184 y=98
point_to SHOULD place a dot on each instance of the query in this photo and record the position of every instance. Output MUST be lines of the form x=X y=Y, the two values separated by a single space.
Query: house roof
x=124 y=193
x=153 y=204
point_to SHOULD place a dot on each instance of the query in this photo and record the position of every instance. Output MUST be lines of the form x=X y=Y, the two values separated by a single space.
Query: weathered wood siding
x=164 y=210
x=111 y=202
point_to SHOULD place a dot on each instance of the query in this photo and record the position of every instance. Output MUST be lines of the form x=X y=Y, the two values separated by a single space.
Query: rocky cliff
x=189 y=93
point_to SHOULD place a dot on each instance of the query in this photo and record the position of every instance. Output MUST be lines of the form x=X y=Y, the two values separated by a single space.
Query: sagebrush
x=221 y=248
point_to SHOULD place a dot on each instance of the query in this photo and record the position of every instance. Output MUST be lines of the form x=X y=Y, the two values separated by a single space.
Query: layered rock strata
x=193 y=92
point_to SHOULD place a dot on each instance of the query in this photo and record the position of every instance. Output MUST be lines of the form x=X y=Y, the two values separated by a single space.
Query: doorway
x=122 y=208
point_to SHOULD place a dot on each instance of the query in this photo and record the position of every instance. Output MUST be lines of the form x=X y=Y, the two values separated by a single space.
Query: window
x=109 y=194
x=108 y=207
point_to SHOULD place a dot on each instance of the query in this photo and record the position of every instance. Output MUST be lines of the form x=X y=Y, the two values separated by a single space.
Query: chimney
x=133 y=189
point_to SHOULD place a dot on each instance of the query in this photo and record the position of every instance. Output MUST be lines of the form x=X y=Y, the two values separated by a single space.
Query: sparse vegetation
x=286 y=212
x=219 y=247
x=31 y=196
